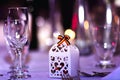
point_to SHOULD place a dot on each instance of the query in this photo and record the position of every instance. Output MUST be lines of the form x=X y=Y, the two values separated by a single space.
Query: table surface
x=38 y=66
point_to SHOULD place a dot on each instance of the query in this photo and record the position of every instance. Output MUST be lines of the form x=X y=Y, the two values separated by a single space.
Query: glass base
x=17 y=76
x=105 y=64
x=14 y=74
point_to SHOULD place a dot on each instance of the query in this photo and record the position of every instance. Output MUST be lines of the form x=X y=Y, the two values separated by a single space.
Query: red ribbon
x=62 y=39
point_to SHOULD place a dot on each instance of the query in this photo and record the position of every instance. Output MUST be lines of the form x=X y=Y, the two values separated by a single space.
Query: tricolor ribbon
x=62 y=39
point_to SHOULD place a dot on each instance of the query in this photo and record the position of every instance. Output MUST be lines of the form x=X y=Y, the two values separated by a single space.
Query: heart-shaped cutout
x=65 y=71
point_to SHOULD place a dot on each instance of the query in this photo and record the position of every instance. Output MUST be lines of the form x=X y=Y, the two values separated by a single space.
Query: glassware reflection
x=105 y=37
x=16 y=32
x=83 y=40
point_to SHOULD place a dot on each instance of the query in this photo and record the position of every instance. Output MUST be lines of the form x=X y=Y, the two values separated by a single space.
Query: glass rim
x=17 y=8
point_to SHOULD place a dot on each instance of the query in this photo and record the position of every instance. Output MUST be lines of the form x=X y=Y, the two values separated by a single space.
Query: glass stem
x=15 y=61
x=19 y=61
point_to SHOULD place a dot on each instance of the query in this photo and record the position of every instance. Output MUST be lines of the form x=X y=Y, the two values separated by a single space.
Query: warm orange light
x=86 y=25
x=70 y=33
x=116 y=18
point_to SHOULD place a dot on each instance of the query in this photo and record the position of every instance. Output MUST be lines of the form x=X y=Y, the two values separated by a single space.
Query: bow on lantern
x=62 y=39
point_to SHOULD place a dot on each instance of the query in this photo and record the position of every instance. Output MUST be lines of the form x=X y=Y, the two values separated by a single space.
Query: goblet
x=16 y=34
x=83 y=37
x=105 y=37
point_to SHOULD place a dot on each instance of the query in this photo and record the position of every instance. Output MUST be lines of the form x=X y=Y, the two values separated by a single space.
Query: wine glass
x=16 y=32
x=105 y=36
x=82 y=20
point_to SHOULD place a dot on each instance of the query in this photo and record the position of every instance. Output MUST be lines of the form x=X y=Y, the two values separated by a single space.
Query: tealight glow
x=70 y=33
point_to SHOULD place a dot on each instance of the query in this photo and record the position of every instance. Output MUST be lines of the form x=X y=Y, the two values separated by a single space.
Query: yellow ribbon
x=62 y=39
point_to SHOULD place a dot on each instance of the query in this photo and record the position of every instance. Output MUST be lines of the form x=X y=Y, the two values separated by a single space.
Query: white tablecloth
x=38 y=66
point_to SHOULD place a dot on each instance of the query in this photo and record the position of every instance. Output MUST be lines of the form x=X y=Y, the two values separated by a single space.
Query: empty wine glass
x=105 y=36
x=16 y=32
x=83 y=37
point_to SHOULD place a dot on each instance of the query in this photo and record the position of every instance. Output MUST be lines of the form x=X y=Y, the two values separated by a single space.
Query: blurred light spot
x=117 y=2
x=40 y=22
x=96 y=28
x=86 y=25
x=116 y=18
x=113 y=43
x=81 y=14
x=55 y=34
x=74 y=21
x=49 y=41
x=105 y=45
x=109 y=15
x=71 y=33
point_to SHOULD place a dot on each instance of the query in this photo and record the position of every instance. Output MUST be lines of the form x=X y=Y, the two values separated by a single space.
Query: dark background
x=42 y=8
